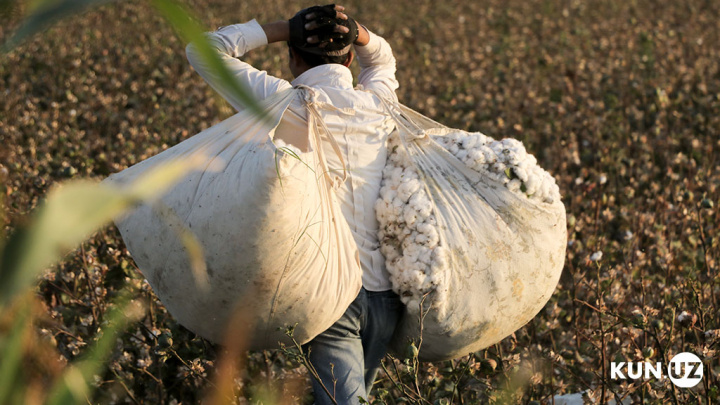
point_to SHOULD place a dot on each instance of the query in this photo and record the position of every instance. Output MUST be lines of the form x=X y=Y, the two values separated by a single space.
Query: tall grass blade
x=190 y=31
x=69 y=215
x=11 y=352
x=44 y=13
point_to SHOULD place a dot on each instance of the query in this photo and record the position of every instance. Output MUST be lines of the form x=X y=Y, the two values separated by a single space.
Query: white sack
x=471 y=229
x=275 y=242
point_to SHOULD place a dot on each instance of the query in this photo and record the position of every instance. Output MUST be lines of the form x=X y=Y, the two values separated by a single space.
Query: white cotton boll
x=388 y=191
x=432 y=237
x=440 y=257
x=382 y=209
x=421 y=204
x=521 y=173
x=451 y=137
x=381 y=235
x=381 y=216
x=478 y=166
x=412 y=304
x=410 y=256
x=425 y=255
x=498 y=167
x=514 y=185
x=426 y=285
x=489 y=156
x=476 y=156
x=396 y=176
x=513 y=145
x=410 y=217
x=410 y=267
x=462 y=155
x=469 y=142
x=438 y=277
x=407 y=189
x=390 y=252
x=392 y=228
x=531 y=187
x=412 y=238
x=409 y=247
x=427 y=228
x=409 y=173
x=433 y=240
x=421 y=239
x=417 y=281
x=396 y=160
x=396 y=212
x=553 y=195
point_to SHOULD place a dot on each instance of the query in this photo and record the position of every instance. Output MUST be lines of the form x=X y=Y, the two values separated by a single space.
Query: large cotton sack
x=473 y=233
x=275 y=244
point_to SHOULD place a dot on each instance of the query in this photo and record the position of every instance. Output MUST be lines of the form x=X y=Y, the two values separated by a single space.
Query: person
x=320 y=41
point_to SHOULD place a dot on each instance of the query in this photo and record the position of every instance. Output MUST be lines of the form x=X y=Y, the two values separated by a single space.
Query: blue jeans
x=347 y=355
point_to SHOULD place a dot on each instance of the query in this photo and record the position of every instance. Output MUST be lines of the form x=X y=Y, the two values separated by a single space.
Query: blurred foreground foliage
x=619 y=100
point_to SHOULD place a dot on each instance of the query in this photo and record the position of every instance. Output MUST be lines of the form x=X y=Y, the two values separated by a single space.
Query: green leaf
x=11 y=351
x=190 y=31
x=68 y=216
x=44 y=13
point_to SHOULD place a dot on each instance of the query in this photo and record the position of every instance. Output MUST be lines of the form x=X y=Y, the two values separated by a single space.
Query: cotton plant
x=415 y=256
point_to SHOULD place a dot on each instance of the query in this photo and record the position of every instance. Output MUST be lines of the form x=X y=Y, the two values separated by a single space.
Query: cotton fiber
x=473 y=233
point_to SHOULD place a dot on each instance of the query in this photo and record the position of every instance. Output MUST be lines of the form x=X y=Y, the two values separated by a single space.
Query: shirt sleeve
x=377 y=67
x=231 y=42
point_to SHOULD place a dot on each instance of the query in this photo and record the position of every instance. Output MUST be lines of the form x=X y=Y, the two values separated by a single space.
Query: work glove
x=321 y=22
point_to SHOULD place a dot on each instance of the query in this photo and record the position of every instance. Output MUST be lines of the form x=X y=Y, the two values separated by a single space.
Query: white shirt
x=357 y=122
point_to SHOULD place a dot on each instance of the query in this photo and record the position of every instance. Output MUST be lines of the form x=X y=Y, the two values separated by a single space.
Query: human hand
x=319 y=26
x=361 y=38
x=316 y=21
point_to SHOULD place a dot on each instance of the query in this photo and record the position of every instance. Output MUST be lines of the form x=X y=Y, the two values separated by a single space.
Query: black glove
x=326 y=21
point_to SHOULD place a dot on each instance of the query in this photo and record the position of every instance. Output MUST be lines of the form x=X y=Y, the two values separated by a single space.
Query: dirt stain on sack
x=517 y=288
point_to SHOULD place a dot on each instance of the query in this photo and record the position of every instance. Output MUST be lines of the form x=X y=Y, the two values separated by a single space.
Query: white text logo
x=685 y=370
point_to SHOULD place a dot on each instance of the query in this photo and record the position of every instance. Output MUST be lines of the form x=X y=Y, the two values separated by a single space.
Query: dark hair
x=314 y=60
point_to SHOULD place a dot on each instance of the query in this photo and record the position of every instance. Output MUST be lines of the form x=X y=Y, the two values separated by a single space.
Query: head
x=316 y=38
x=301 y=61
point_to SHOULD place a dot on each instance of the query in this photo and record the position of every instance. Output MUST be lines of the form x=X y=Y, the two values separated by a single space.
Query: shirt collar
x=331 y=74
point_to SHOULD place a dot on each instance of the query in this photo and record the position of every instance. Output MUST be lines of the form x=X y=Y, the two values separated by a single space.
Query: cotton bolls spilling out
x=507 y=161
x=408 y=233
x=409 y=236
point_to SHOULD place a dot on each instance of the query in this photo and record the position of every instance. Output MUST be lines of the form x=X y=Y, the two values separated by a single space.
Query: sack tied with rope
x=473 y=232
x=276 y=247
